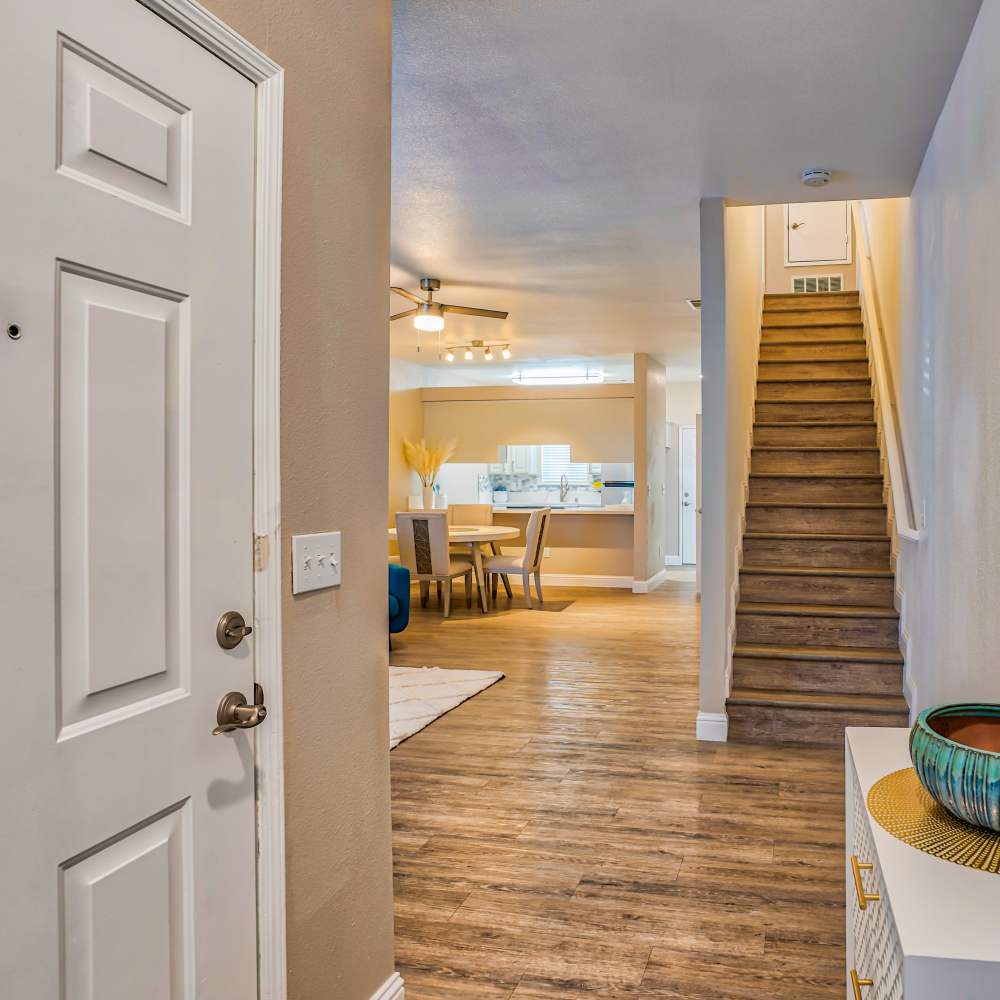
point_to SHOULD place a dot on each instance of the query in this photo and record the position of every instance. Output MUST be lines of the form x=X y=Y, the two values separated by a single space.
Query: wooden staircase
x=817 y=636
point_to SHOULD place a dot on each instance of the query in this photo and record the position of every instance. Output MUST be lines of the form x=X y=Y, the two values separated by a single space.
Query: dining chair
x=423 y=550
x=530 y=561
x=471 y=513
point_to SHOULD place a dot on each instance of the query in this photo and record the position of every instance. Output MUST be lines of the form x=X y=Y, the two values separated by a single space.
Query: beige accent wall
x=649 y=554
x=333 y=449
x=596 y=421
x=580 y=544
x=406 y=420
x=779 y=277
x=935 y=259
x=730 y=334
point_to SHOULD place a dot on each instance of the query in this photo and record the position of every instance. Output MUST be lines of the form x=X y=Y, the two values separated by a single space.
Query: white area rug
x=419 y=695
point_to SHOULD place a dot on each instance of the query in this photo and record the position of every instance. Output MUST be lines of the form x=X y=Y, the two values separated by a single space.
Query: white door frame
x=207 y=30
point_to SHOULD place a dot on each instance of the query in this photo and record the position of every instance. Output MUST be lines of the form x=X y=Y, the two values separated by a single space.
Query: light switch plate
x=315 y=561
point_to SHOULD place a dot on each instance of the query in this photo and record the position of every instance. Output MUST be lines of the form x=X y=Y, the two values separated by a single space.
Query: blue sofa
x=399 y=598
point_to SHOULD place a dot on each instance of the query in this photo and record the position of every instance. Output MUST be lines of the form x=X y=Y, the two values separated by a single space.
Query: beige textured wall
x=596 y=423
x=650 y=467
x=779 y=277
x=946 y=358
x=730 y=333
x=333 y=421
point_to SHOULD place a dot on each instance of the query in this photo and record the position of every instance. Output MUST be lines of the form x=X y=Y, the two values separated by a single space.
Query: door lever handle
x=235 y=713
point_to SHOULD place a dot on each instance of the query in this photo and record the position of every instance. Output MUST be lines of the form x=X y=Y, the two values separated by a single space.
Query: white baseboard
x=712 y=727
x=391 y=989
x=581 y=580
x=645 y=586
x=673 y=561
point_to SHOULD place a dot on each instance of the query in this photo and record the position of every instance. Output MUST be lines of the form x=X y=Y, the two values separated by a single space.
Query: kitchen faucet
x=563 y=488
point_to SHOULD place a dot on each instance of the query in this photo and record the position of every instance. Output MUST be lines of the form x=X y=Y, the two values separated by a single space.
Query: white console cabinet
x=933 y=933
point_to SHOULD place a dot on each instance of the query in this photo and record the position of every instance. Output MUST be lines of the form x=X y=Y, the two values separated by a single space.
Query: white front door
x=689 y=496
x=126 y=267
x=817 y=232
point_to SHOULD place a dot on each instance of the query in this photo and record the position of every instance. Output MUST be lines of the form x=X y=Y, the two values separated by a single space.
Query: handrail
x=899 y=481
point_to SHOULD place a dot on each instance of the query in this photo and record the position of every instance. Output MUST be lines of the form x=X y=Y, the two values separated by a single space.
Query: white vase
x=428 y=496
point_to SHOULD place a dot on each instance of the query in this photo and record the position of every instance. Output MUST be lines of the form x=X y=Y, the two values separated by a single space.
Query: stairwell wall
x=935 y=256
x=731 y=293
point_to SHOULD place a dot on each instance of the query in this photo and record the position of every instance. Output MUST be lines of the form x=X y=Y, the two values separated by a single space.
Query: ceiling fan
x=428 y=315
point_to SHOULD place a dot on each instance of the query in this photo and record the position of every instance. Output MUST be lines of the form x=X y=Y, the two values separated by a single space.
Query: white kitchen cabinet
x=520 y=459
x=932 y=931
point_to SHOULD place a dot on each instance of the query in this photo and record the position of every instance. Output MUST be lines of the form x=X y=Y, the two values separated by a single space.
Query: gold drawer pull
x=858 y=983
x=864 y=898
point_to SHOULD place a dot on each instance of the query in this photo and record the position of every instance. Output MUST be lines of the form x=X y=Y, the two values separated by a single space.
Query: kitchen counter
x=619 y=510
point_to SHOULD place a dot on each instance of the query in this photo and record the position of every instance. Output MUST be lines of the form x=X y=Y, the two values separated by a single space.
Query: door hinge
x=261 y=552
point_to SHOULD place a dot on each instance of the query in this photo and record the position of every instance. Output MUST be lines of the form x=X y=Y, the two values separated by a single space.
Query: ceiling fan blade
x=406 y=294
x=471 y=311
x=409 y=312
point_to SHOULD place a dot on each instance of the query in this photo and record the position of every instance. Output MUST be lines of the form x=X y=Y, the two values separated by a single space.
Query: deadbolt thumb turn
x=231 y=630
x=235 y=713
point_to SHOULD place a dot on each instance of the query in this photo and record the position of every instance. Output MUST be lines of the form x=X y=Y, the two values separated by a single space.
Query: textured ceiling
x=549 y=155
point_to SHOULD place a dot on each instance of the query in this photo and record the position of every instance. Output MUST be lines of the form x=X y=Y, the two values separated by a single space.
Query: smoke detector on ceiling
x=816 y=177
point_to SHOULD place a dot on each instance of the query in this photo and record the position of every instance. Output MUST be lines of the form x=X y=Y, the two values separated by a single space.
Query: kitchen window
x=556 y=464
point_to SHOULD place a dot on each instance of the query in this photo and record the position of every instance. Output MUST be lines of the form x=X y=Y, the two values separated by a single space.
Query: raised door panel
x=123 y=509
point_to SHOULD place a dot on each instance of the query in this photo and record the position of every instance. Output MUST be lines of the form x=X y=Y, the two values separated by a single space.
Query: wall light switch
x=315 y=561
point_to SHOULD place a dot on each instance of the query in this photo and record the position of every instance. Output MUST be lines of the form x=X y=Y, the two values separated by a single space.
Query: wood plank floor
x=563 y=835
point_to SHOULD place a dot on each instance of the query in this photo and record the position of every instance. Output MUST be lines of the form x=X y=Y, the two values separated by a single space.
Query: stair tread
x=841 y=571
x=820 y=536
x=815 y=610
x=800 y=342
x=814 y=361
x=811 y=402
x=810 y=326
x=771 y=379
x=814 y=447
x=814 y=423
x=816 y=475
x=817 y=504
x=819 y=700
x=855 y=654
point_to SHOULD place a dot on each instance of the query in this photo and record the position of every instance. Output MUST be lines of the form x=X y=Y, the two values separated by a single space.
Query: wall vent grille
x=818 y=283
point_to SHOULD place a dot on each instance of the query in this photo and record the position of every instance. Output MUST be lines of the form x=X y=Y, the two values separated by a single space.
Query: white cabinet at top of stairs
x=934 y=931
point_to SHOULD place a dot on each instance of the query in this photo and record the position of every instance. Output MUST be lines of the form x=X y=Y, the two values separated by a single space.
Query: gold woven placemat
x=902 y=807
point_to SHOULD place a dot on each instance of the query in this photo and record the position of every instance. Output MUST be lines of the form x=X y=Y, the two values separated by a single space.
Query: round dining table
x=475 y=536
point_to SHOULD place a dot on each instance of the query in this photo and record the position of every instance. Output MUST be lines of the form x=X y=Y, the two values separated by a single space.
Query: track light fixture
x=468 y=351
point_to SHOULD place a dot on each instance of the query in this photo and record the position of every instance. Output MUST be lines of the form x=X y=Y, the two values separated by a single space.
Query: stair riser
x=819 y=676
x=805 y=437
x=842 y=554
x=862 y=521
x=804 y=391
x=804 y=318
x=812 y=369
x=863 y=409
x=816 y=490
x=820 y=462
x=753 y=723
x=854 y=351
x=816 y=630
x=856 y=591
x=815 y=335
x=776 y=302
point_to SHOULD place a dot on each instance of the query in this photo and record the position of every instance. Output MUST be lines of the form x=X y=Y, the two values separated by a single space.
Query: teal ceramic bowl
x=955 y=751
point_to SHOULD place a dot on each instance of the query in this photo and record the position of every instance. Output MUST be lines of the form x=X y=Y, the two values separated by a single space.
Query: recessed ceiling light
x=695 y=304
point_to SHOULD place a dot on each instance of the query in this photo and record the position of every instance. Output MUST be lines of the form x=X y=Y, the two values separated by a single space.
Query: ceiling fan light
x=468 y=354
x=429 y=317
x=505 y=353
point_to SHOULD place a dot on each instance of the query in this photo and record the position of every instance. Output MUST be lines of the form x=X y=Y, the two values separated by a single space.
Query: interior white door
x=817 y=232
x=689 y=496
x=126 y=263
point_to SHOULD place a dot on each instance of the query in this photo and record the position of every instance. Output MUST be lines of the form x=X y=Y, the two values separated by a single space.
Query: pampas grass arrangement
x=426 y=458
